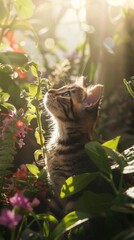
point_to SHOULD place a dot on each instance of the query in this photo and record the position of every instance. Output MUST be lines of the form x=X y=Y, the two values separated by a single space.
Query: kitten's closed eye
x=66 y=94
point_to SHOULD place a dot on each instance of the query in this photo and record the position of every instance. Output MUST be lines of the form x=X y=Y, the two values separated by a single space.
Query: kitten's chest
x=64 y=162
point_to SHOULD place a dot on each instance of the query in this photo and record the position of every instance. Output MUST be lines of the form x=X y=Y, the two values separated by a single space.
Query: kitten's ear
x=81 y=81
x=93 y=96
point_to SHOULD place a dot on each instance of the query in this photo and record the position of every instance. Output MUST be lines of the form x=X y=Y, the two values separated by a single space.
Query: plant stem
x=38 y=223
x=130 y=90
x=110 y=180
x=20 y=228
x=13 y=234
x=39 y=123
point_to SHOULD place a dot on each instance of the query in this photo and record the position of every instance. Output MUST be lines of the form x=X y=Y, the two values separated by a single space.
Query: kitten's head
x=74 y=103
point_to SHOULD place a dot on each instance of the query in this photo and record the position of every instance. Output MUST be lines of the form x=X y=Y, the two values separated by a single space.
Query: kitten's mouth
x=49 y=100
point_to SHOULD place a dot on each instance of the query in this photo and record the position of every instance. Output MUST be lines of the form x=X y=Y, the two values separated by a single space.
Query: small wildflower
x=14 y=46
x=9 y=218
x=21 y=172
x=21 y=143
x=35 y=202
x=15 y=126
x=19 y=200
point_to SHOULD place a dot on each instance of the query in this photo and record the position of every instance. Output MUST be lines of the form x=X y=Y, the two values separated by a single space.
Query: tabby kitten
x=74 y=110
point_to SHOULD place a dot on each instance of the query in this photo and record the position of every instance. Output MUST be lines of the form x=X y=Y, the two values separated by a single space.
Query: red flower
x=21 y=74
x=13 y=44
x=19 y=129
x=21 y=173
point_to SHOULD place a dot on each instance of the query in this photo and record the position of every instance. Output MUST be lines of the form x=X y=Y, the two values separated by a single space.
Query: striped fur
x=74 y=111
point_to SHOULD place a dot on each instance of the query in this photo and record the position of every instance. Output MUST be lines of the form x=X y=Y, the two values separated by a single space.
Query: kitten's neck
x=69 y=132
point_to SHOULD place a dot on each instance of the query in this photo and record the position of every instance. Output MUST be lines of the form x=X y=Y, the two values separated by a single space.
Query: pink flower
x=19 y=200
x=13 y=124
x=21 y=143
x=35 y=202
x=9 y=219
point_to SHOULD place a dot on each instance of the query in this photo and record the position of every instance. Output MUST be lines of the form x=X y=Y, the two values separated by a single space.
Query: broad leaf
x=33 y=169
x=24 y=8
x=3 y=10
x=34 y=71
x=37 y=153
x=124 y=203
x=70 y=221
x=38 y=137
x=125 y=235
x=9 y=106
x=113 y=143
x=92 y=203
x=128 y=169
x=77 y=183
x=13 y=58
x=129 y=154
x=119 y=158
x=5 y=97
x=47 y=217
x=33 y=89
x=130 y=192
x=98 y=155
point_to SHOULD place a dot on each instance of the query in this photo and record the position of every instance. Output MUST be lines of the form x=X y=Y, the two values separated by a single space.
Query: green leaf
x=130 y=192
x=124 y=208
x=92 y=203
x=92 y=72
x=13 y=58
x=113 y=143
x=70 y=221
x=33 y=89
x=98 y=155
x=128 y=169
x=119 y=158
x=125 y=235
x=34 y=68
x=31 y=109
x=77 y=183
x=34 y=71
x=124 y=203
x=46 y=228
x=37 y=153
x=30 y=118
x=45 y=81
x=24 y=8
x=25 y=25
x=9 y=106
x=33 y=169
x=3 y=10
x=37 y=136
x=129 y=154
x=128 y=86
x=7 y=68
x=5 y=97
x=47 y=217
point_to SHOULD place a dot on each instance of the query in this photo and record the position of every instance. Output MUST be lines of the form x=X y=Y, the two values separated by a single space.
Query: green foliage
x=26 y=91
x=77 y=183
x=33 y=169
x=112 y=144
x=24 y=8
x=99 y=157
x=129 y=85
x=94 y=204
x=70 y=221
x=104 y=204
